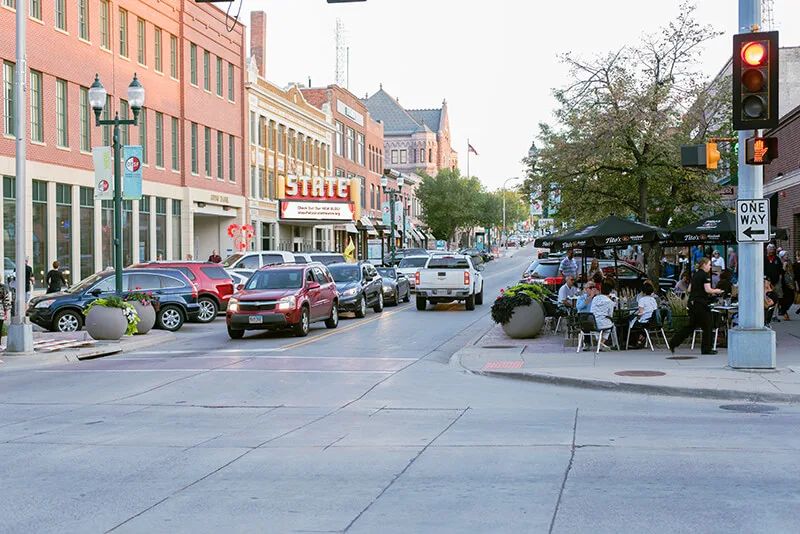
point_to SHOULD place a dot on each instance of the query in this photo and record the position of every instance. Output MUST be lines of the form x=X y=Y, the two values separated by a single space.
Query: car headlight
x=350 y=292
x=45 y=303
x=287 y=303
x=233 y=305
x=387 y=289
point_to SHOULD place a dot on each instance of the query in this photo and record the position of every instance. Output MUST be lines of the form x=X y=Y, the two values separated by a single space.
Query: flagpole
x=467 y=157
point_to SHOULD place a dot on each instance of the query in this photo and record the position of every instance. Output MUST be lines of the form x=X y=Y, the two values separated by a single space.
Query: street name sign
x=752 y=220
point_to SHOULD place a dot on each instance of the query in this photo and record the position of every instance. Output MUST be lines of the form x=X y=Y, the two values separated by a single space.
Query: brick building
x=191 y=128
x=782 y=179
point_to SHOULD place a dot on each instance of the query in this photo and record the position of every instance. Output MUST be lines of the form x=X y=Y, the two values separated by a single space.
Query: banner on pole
x=132 y=172
x=103 y=173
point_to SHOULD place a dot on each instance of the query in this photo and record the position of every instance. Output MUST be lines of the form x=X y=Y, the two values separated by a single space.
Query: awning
x=366 y=224
x=419 y=236
x=350 y=228
x=429 y=236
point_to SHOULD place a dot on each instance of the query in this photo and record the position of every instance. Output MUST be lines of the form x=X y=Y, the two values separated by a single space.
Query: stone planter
x=147 y=317
x=526 y=322
x=106 y=323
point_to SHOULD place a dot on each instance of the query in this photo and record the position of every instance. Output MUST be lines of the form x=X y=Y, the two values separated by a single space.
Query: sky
x=495 y=61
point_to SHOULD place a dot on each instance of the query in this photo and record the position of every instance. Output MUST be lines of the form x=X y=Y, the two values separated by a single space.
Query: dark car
x=546 y=272
x=284 y=296
x=474 y=253
x=359 y=286
x=402 y=253
x=395 y=285
x=63 y=311
x=214 y=284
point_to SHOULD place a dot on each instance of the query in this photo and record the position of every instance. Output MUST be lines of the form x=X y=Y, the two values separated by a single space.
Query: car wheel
x=333 y=320
x=379 y=306
x=470 y=302
x=362 y=307
x=170 y=318
x=208 y=310
x=422 y=303
x=479 y=297
x=302 y=328
x=235 y=334
x=407 y=298
x=67 y=321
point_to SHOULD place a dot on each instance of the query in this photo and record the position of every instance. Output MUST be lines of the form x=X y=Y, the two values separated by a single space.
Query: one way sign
x=752 y=220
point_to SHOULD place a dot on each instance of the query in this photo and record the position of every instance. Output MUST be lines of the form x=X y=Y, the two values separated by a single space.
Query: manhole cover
x=639 y=373
x=498 y=347
x=749 y=408
x=682 y=357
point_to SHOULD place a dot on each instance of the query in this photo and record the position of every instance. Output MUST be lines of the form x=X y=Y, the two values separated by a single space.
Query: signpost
x=752 y=220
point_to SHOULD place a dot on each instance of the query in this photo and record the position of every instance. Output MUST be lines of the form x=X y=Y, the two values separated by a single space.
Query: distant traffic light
x=712 y=155
x=704 y=156
x=755 y=80
x=761 y=150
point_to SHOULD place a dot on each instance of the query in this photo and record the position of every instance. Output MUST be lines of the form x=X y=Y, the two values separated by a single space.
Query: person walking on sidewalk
x=700 y=294
x=55 y=279
x=214 y=257
x=5 y=306
x=787 y=300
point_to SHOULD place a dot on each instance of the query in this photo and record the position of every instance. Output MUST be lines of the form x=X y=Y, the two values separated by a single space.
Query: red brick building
x=782 y=179
x=192 y=129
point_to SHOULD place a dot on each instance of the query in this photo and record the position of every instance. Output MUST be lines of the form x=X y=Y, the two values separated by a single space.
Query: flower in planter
x=514 y=296
x=128 y=311
x=145 y=299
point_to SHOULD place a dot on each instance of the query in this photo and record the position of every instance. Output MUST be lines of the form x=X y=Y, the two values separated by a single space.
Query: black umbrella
x=546 y=241
x=611 y=232
x=720 y=228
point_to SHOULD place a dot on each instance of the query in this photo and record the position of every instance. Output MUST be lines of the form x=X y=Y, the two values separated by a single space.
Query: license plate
x=256 y=319
x=441 y=291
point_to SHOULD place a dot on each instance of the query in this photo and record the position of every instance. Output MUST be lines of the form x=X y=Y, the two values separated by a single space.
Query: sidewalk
x=51 y=347
x=686 y=373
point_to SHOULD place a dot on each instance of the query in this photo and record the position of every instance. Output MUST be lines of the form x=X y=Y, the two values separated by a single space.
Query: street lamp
x=392 y=194
x=97 y=99
x=505 y=244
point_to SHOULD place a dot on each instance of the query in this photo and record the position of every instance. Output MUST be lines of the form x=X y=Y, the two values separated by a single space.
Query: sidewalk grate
x=503 y=365
x=639 y=373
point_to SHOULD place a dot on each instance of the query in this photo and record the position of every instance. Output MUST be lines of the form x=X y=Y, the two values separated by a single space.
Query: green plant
x=676 y=304
x=145 y=299
x=516 y=295
x=115 y=302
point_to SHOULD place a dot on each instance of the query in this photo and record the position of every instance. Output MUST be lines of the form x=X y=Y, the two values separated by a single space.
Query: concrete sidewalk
x=686 y=373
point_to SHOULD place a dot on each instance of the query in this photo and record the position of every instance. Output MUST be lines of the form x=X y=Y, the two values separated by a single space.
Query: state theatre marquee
x=319 y=199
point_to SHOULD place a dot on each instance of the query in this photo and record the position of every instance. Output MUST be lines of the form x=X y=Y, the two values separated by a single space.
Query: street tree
x=449 y=202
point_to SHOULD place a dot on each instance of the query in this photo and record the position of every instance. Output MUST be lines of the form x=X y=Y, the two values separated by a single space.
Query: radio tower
x=767 y=16
x=341 y=54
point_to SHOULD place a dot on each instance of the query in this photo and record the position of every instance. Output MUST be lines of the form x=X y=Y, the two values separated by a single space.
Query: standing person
x=214 y=258
x=5 y=305
x=28 y=280
x=733 y=264
x=684 y=283
x=717 y=266
x=699 y=308
x=568 y=266
x=189 y=257
x=697 y=253
x=773 y=271
x=55 y=279
x=787 y=300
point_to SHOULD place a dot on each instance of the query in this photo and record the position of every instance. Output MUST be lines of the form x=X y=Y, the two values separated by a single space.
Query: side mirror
x=95 y=292
x=239 y=287
x=479 y=268
x=313 y=285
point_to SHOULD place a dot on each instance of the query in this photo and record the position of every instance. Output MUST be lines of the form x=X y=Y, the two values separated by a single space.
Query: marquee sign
x=317 y=211
x=331 y=188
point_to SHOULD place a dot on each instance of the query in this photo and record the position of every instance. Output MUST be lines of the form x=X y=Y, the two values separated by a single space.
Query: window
x=86 y=121
x=10 y=3
x=309 y=150
x=422 y=155
x=253 y=122
x=159 y=139
x=105 y=39
x=363 y=192
x=87 y=233
x=176 y=230
x=261 y=130
x=141 y=55
x=173 y=56
x=10 y=217
x=194 y=149
x=253 y=184
x=267 y=236
x=193 y=63
x=157 y=48
x=83 y=19
x=403 y=156
x=430 y=155
x=338 y=146
x=37 y=128
x=291 y=143
x=230 y=82
x=271 y=136
x=124 y=131
x=208 y=151
x=260 y=183
x=351 y=144
x=360 y=159
x=107 y=116
x=175 y=145
x=63 y=223
x=394 y=157
x=9 y=105
x=107 y=236
x=143 y=133
x=206 y=70
x=219 y=76
x=220 y=157
x=123 y=33
x=61 y=15
x=36 y=9
x=281 y=135
x=144 y=229
x=62 y=136
x=161 y=228
x=271 y=185
x=231 y=158
x=301 y=144
x=127 y=232
x=39 y=258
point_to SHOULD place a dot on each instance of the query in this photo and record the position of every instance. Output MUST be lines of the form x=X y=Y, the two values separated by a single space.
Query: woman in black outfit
x=699 y=308
x=55 y=280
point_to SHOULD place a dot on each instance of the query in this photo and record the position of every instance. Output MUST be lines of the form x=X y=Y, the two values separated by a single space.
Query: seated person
x=685 y=283
x=664 y=312
x=647 y=307
x=569 y=289
x=584 y=302
x=725 y=283
x=603 y=311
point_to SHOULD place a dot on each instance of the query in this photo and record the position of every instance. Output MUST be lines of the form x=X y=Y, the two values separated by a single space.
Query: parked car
x=239 y=276
x=474 y=253
x=447 y=279
x=395 y=285
x=325 y=258
x=284 y=296
x=411 y=264
x=546 y=272
x=256 y=260
x=214 y=284
x=359 y=286
x=63 y=311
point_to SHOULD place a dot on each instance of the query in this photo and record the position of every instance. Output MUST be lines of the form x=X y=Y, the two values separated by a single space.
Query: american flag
x=472 y=149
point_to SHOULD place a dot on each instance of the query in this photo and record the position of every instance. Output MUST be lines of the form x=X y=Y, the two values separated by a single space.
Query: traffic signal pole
x=750 y=345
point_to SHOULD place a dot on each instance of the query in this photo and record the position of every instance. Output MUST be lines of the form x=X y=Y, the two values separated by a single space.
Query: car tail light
x=466 y=278
x=194 y=290
x=553 y=280
x=416 y=279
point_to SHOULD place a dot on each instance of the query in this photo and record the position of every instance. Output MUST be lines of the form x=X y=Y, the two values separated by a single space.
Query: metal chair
x=588 y=327
x=769 y=313
x=716 y=330
x=651 y=326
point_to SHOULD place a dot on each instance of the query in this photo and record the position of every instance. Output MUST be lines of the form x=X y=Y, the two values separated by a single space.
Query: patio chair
x=588 y=327
x=717 y=319
x=652 y=326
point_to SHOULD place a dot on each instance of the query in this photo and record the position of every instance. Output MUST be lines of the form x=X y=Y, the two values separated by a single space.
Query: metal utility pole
x=505 y=243
x=20 y=331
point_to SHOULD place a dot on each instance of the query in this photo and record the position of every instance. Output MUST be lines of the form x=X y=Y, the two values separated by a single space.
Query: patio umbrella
x=611 y=232
x=720 y=228
x=546 y=241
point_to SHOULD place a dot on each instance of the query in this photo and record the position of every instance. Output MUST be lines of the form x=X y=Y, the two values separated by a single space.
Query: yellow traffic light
x=712 y=155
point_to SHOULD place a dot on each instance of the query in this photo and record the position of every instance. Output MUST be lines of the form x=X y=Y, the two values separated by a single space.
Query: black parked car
x=359 y=286
x=395 y=285
x=475 y=254
x=63 y=311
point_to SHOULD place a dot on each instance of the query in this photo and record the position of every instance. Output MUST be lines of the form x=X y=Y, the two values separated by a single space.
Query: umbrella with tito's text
x=720 y=228
x=611 y=232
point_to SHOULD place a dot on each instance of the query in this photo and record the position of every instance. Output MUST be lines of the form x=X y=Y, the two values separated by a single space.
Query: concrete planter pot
x=106 y=323
x=147 y=317
x=526 y=322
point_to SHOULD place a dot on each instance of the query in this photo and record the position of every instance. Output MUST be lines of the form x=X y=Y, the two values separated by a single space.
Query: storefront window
x=144 y=229
x=107 y=222
x=39 y=215
x=10 y=218
x=87 y=234
x=267 y=236
x=127 y=232
x=161 y=228
x=64 y=226
x=176 y=230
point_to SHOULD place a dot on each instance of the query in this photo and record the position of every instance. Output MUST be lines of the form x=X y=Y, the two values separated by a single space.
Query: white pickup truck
x=447 y=279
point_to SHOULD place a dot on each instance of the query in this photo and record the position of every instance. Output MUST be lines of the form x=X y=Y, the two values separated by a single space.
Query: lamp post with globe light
x=392 y=194
x=97 y=99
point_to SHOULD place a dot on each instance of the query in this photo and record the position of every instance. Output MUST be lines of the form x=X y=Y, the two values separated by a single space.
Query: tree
x=449 y=202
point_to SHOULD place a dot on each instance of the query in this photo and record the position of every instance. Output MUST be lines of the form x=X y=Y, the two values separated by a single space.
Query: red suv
x=284 y=296
x=214 y=284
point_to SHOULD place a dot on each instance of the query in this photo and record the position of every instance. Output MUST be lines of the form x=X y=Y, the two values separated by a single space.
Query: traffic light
x=712 y=155
x=703 y=156
x=761 y=150
x=755 y=80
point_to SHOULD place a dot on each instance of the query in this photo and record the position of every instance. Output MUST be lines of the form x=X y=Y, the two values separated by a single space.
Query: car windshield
x=327 y=259
x=448 y=263
x=230 y=260
x=387 y=273
x=412 y=262
x=86 y=283
x=276 y=279
x=545 y=270
x=344 y=273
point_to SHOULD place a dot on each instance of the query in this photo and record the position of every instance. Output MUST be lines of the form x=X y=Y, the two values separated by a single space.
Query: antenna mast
x=767 y=15
x=341 y=53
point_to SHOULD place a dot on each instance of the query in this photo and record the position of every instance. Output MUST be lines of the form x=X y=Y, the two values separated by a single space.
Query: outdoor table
x=622 y=320
x=729 y=311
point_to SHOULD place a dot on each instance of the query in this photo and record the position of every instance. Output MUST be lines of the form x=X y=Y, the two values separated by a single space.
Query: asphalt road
x=368 y=429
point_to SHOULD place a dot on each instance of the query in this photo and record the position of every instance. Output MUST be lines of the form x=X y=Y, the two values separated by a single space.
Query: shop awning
x=366 y=224
x=417 y=235
x=429 y=236
x=350 y=228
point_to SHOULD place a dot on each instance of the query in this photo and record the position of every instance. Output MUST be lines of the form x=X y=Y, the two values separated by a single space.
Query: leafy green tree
x=449 y=202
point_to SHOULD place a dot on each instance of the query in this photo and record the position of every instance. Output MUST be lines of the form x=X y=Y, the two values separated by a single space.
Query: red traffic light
x=755 y=80
x=754 y=54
